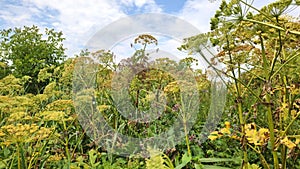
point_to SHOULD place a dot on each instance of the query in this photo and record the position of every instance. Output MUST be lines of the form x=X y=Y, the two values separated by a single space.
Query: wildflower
x=264 y=135
x=55 y=157
x=192 y=137
x=294 y=113
x=52 y=115
x=176 y=107
x=16 y=116
x=2 y=134
x=23 y=133
x=225 y=131
x=43 y=133
x=297 y=141
x=61 y=105
x=259 y=137
x=252 y=136
x=49 y=88
x=172 y=87
x=235 y=137
x=39 y=98
x=288 y=143
x=227 y=124
x=214 y=135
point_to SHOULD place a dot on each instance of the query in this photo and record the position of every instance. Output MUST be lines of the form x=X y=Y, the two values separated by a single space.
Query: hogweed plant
x=260 y=51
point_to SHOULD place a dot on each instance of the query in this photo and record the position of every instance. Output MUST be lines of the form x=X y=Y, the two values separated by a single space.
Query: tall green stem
x=240 y=107
x=269 y=108
x=184 y=119
x=67 y=144
x=18 y=155
x=272 y=26
x=272 y=132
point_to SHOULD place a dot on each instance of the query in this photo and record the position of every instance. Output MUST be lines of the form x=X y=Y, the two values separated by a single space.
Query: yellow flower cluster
x=24 y=103
x=223 y=131
x=16 y=116
x=255 y=137
x=172 y=87
x=20 y=116
x=55 y=157
x=23 y=133
x=10 y=85
x=50 y=88
x=40 y=98
x=61 y=105
x=58 y=116
x=289 y=143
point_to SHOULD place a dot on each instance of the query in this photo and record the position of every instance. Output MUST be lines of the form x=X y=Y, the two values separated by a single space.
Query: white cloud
x=199 y=12
x=140 y=3
x=16 y=15
x=78 y=19
x=147 y=5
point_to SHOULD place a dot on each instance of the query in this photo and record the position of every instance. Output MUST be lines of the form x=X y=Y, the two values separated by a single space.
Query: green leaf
x=214 y=167
x=214 y=160
x=184 y=161
x=198 y=166
x=3 y=163
x=6 y=152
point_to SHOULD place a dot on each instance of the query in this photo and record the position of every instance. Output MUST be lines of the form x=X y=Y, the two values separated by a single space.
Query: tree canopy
x=25 y=51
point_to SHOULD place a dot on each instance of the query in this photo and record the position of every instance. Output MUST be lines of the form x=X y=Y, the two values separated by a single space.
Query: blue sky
x=80 y=19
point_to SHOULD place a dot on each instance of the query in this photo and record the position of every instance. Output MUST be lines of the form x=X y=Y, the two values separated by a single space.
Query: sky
x=79 y=20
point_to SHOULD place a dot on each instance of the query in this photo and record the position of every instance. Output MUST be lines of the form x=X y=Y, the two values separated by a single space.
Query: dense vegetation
x=259 y=50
